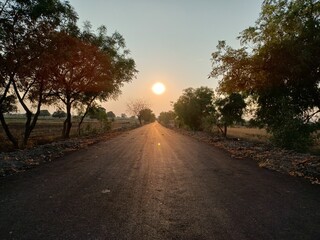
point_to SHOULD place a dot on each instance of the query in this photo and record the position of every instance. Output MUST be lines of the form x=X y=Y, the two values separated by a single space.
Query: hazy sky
x=170 y=40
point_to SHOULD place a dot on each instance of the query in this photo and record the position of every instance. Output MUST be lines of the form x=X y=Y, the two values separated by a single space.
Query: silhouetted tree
x=44 y=113
x=111 y=115
x=134 y=107
x=229 y=111
x=59 y=114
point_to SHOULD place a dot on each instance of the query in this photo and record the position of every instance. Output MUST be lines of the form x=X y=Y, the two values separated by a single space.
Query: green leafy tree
x=229 y=111
x=166 y=117
x=281 y=72
x=194 y=105
x=111 y=115
x=44 y=113
x=98 y=112
x=59 y=114
x=147 y=115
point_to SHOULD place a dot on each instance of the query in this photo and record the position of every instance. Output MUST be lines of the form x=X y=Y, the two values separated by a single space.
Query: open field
x=250 y=134
x=49 y=129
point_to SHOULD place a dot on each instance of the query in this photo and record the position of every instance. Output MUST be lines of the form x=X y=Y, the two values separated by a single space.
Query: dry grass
x=261 y=135
x=48 y=130
x=250 y=134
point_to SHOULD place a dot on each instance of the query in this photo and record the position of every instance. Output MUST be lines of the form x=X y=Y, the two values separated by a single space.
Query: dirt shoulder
x=22 y=160
x=266 y=155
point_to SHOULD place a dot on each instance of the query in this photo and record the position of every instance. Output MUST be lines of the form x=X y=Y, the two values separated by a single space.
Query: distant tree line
x=276 y=72
x=47 y=59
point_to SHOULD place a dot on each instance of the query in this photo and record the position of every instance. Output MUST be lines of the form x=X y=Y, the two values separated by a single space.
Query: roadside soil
x=21 y=160
x=265 y=154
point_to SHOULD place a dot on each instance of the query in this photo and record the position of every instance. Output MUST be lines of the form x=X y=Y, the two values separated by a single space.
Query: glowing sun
x=158 y=88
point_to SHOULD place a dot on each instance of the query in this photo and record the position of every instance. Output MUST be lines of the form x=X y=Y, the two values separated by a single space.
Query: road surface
x=153 y=183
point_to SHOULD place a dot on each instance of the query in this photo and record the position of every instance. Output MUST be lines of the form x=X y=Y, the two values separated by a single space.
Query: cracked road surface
x=153 y=183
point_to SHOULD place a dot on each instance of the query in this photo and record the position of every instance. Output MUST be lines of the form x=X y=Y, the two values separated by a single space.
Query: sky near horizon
x=171 y=41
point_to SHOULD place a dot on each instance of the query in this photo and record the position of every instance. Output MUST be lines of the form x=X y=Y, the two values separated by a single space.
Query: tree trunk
x=31 y=124
x=85 y=114
x=12 y=139
x=27 y=129
x=225 y=130
x=79 y=124
x=220 y=129
x=67 y=123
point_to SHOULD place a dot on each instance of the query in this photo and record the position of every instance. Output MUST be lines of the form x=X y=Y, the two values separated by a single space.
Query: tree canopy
x=193 y=105
x=46 y=58
x=135 y=107
x=147 y=115
x=166 y=117
x=278 y=66
x=230 y=110
x=25 y=32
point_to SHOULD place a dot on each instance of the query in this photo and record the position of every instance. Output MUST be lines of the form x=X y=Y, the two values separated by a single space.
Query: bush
x=293 y=135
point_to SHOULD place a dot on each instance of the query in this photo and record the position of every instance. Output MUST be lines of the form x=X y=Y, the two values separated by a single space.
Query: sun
x=158 y=88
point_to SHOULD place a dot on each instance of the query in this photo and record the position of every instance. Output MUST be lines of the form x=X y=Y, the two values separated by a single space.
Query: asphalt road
x=152 y=183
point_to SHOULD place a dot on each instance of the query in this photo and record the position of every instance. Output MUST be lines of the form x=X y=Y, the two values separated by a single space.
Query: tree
x=98 y=112
x=26 y=27
x=281 y=72
x=229 y=111
x=122 y=67
x=89 y=67
x=194 y=105
x=59 y=114
x=8 y=104
x=134 y=107
x=166 y=117
x=111 y=115
x=44 y=113
x=147 y=115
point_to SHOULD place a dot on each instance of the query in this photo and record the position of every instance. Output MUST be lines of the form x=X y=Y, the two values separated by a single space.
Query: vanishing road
x=152 y=183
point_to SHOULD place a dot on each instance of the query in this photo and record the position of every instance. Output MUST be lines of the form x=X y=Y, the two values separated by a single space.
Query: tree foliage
x=8 y=104
x=193 y=105
x=44 y=113
x=229 y=111
x=98 y=112
x=147 y=115
x=25 y=30
x=45 y=58
x=111 y=115
x=59 y=114
x=166 y=117
x=281 y=70
x=134 y=107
